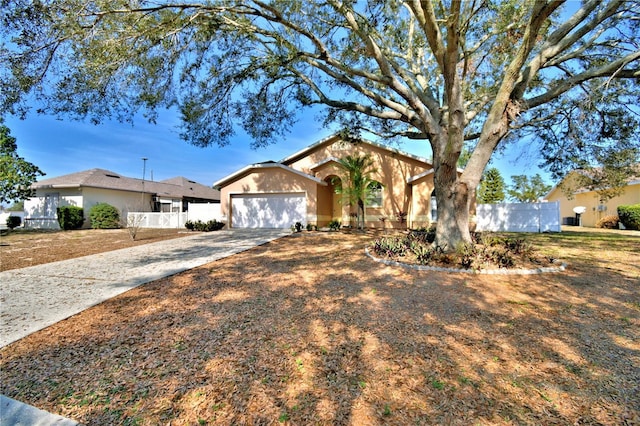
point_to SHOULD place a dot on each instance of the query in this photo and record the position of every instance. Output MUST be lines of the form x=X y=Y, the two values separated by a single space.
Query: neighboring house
x=590 y=200
x=300 y=188
x=90 y=187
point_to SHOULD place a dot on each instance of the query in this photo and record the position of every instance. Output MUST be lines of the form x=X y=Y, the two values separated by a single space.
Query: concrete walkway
x=36 y=297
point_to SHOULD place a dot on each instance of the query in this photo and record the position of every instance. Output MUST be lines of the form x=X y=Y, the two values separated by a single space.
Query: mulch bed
x=309 y=330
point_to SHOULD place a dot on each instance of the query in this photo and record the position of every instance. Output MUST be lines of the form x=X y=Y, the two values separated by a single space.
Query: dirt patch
x=22 y=248
x=309 y=330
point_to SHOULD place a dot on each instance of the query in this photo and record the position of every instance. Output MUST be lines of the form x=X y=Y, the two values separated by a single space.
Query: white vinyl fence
x=197 y=211
x=518 y=217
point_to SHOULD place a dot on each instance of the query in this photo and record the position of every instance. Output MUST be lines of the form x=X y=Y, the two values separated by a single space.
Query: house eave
x=336 y=136
x=245 y=170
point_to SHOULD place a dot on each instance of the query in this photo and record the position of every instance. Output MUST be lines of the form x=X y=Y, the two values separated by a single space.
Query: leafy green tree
x=16 y=174
x=523 y=190
x=452 y=73
x=18 y=206
x=492 y=186
x=356 y=184
x=609 y=179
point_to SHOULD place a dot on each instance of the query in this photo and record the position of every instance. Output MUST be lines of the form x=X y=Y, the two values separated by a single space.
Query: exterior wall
x=124 y=201
x=271 y=180
x=392 y=171
x=595 y=210
x=421 y=203
x=37 y=216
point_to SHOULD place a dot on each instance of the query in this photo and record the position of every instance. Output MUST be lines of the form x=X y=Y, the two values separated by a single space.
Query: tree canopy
x=478 y=73
x=492 y=186
x=525 y=190
x=16 y=174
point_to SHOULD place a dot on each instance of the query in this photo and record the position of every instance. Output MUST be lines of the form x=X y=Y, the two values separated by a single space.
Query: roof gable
x=335 y=138
x=266 y=165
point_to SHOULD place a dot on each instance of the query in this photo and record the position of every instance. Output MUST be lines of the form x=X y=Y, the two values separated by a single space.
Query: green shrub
x=14 y=222
x=70 y=217
x=630 y=216
x=104 y=216
x=335 y=225
x=198 y=225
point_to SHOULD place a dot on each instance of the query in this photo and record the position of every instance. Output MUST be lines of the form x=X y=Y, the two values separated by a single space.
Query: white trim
x=412 y=179
x=323 y=162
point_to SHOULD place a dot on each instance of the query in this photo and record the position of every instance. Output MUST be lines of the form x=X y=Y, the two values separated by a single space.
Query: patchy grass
x=293 y=332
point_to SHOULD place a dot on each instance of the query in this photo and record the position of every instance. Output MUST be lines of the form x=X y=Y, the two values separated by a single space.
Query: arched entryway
x=329 y=205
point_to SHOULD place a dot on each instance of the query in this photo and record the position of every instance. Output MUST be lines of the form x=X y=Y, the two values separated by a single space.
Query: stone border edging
x=388 y=262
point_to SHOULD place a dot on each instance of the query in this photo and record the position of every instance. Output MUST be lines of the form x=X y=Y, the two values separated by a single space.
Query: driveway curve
x=38 y=296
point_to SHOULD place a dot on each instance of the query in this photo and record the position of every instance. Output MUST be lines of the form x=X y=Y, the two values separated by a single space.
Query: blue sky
x=61 y=147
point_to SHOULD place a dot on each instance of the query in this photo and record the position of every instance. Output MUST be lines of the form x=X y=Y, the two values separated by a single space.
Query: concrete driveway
x=36 y=297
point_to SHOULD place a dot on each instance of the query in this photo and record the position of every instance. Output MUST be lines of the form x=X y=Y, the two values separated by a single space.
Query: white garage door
x=268 y=210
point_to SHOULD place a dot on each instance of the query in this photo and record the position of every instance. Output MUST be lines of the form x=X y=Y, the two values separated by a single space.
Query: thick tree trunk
x=453 y=195
x=453 y=199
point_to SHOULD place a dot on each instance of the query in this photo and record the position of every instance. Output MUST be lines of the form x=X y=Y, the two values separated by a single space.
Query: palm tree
x=356 y=185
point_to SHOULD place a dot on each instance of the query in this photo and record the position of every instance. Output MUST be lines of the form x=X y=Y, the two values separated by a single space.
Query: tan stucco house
x=300 y=188
x=594 y=209
x=90 y=187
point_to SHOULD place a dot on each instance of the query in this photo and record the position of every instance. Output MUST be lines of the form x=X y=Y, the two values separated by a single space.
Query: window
x=375 y=195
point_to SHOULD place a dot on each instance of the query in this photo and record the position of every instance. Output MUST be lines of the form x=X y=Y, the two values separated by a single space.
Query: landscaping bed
x=309 y=330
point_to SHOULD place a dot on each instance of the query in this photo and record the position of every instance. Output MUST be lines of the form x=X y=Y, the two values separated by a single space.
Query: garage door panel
x=267 y=210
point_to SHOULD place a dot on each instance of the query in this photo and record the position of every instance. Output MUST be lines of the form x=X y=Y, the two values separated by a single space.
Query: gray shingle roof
x=177 y=187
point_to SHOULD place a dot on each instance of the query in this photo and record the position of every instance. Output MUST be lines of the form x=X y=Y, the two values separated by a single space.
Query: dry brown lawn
x=23 y=248
x=308 y=330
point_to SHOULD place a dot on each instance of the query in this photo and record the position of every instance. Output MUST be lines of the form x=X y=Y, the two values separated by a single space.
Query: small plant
x=387 y=410
x=283 y=417
x=70 y=217
x=14 y=222
x=104 y=216
x=468 y=253
x=424 y=235
x=298 y=226
x=335 y=225
x=190 y=225
x=608 y=222
x=310 y=227
x=133 y=224
x=423 y=253
x=390 y=246
x=437 y=384
x=518 y=246
x=402 y=217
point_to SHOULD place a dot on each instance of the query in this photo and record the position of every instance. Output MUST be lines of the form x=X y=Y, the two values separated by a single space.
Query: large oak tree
x=479 y=73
